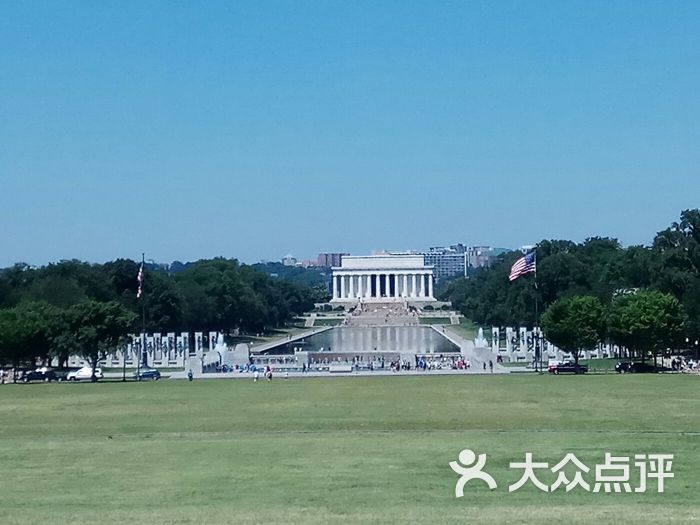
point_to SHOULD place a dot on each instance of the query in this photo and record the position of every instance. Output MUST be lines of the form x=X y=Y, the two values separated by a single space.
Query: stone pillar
x=335 y=287
x=352 y=286
x=430 y=285
x=421 y=290
x=386 y=284
x=404 y=291
x=342 y=286
x=413 y=285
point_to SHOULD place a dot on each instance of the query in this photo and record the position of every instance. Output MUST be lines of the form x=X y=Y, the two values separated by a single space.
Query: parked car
x=567 y=367
x=147 y=373
x=84 y=373
x=626 y=367
x=40 y=374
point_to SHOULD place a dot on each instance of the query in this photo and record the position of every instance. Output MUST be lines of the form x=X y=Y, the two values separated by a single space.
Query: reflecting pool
x=353 y=339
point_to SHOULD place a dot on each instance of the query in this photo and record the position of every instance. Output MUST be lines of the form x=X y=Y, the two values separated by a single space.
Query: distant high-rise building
x=447 y=262
x=330 y=259
x=479 y=257
x=289 y=260
x=458 y=260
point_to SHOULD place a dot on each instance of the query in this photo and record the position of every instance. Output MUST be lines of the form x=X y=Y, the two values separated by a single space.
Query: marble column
x=421 y=291
x=352 y=286
x=413 y=285
x=430 y=285
x=335 y=287
x=342 y=287
x=404 y=291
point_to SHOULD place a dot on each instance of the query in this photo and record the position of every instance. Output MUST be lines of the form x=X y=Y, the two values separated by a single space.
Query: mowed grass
x=338 y=450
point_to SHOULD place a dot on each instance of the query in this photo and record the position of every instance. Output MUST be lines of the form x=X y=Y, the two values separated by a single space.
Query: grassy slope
x=320 y=321
x=468 y=329
x=336 y=450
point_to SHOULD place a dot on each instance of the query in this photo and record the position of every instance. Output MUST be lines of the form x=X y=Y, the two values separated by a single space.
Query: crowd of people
x=681 y=364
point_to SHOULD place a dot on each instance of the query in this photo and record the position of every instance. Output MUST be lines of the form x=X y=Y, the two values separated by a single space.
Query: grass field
x=468 y=329
x=321 y=321
x=338 y=450
x=434 y=320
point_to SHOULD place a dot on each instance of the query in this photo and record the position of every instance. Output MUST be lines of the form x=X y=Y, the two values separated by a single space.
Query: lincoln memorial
x=382 y=278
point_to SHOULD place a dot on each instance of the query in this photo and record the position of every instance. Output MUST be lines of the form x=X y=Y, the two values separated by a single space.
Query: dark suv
x=147 y=373
x=40 y=374
x=625 y=367
x=567 y=367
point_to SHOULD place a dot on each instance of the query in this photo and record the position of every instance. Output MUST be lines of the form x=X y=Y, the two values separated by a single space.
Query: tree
x=94 y=329
x=14 y=334
x=574 y=323
x=645 y=322
x=26 y=333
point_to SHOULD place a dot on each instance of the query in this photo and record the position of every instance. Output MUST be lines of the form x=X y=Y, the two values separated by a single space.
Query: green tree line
x=599 y=267
x=77 y=307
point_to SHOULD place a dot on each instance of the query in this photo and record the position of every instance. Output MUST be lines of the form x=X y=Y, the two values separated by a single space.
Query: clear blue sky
x=255 y=129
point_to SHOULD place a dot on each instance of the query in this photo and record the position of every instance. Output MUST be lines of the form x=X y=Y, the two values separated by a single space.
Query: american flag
x=139 y=278
x=523 y=266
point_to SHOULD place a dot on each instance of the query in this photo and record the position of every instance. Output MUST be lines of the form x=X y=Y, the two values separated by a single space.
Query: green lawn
x=469 y=330
x=434 y=320
x=322 y=321
x=338 y=450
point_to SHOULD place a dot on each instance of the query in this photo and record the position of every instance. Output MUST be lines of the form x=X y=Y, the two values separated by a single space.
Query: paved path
x=279 y=376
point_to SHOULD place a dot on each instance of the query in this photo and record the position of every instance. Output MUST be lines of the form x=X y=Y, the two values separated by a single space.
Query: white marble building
x=382 y=278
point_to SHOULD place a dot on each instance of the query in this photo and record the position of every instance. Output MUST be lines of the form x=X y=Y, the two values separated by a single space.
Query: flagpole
x=143 y=320
x=536 y=334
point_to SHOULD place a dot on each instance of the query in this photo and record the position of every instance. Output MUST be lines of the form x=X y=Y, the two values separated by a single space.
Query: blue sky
x=255 y=129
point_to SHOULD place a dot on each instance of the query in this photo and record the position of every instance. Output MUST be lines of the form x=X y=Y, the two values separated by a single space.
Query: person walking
x=491 y=366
